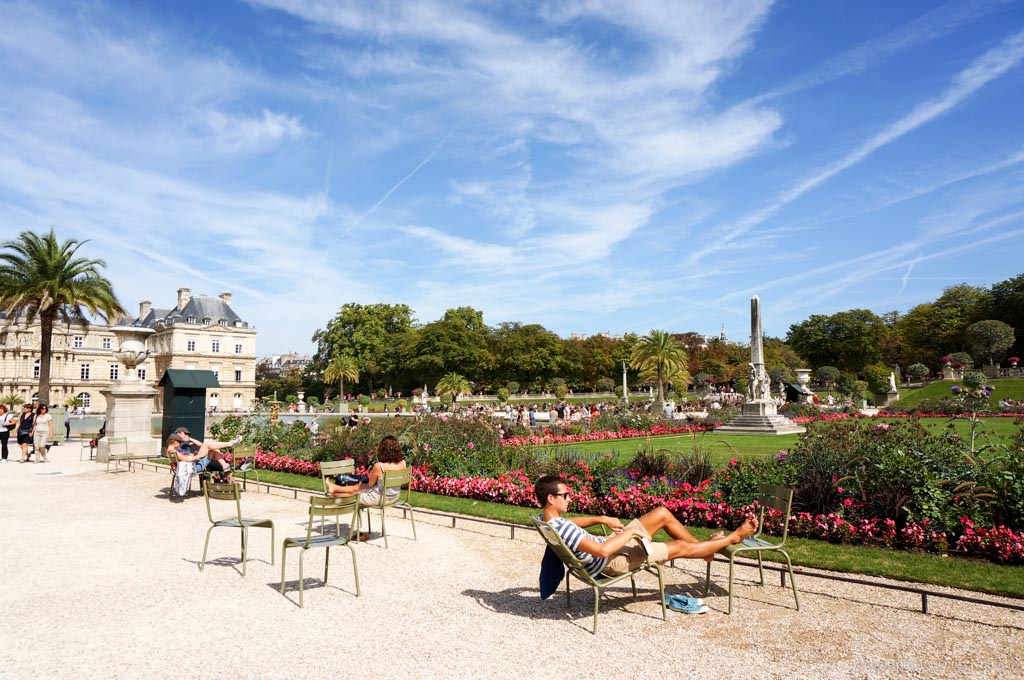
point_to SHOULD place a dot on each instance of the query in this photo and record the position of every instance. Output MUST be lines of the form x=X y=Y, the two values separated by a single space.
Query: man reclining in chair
x=618 y=554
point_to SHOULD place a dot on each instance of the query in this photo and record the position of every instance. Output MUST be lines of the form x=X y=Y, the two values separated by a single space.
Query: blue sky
x=588 y=165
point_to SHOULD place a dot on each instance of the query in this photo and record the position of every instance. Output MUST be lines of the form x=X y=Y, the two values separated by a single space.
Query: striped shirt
x=572 y=534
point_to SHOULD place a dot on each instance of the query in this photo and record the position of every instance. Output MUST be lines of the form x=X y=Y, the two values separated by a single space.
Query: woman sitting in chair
x=389 y=459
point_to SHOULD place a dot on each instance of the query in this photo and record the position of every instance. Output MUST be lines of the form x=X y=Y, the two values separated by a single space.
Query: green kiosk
x=185 y=401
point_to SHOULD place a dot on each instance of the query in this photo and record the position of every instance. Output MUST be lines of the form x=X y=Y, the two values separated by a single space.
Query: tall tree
x=661 y=353
x=376 y=335
x=457 y=342
x=42 y=276
x=933 y=329
x=989 y=338
x=528 y=354
x=1006 y=304
x=850 y=340
x=342 y=367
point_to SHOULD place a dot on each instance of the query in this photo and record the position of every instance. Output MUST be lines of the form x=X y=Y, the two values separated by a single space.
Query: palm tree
x=11 y=401
x=454 y=384
x=41 y=276
x=662 y=354
x=342 y=367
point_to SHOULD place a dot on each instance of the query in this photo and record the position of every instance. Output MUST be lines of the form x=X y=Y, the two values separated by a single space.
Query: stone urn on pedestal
x=803 y=378
x=130 y=401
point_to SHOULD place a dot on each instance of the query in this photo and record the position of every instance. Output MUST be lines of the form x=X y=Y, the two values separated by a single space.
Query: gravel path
x=101 y=580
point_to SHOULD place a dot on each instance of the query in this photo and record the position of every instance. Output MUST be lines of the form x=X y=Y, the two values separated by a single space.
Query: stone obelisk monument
x=759 y=414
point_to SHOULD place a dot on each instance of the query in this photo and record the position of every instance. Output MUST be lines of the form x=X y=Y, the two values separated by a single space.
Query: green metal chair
x=331 y=469
x=232 y=492
x=393 y=479
x=239 y=455
x=777 y=498
x=87 y=445
x=118 y=451
x=337 y=508
x=575 y=568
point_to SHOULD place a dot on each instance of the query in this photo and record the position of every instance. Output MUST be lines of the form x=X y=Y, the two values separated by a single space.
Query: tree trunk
x=45 y=351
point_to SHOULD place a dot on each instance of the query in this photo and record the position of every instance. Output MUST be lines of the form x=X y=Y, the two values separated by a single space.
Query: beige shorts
x=633 y=555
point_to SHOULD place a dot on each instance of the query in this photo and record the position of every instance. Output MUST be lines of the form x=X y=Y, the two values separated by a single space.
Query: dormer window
x=206 y=321
x=191 y=320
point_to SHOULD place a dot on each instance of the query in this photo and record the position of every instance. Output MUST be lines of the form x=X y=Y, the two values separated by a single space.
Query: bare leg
x=662 y=518
x=709 y=547
x=339 y=491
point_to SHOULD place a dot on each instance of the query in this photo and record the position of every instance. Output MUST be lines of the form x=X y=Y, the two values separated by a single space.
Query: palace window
x=142 y=373
x=79 y=342
x=84 y=374
x=238 y=348
x=106 y=343
x=84 y=400
x=115 y=371
x=215 y=347
x=35 y=369
x=190 y=345
x=238 y=375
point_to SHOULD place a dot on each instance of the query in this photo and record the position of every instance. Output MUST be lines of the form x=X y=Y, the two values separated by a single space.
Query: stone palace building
x=199 y=332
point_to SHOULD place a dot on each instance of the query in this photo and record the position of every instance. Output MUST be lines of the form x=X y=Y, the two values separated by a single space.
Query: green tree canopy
x=455 y=342
x=849 y=340
x=42 y=276
x=527 y=354
x=989 y=338
x=377 y=336
x=1006 y=304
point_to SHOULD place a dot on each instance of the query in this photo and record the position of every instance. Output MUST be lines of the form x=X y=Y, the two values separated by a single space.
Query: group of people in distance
x=33 y=430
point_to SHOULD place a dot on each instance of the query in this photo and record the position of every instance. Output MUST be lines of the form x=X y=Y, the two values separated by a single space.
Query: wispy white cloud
x=986 y=68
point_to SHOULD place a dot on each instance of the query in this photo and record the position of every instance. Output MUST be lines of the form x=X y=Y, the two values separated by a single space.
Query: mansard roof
x=205 y=310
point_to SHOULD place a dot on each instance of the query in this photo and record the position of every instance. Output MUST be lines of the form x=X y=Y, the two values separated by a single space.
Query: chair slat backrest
x=172 y=460
x=331 y=507
x=396 y=479
x=777 y=498
x=222 y=492
x=332 y=468
x=568 y=557
x=240 y=453
x=118 y=446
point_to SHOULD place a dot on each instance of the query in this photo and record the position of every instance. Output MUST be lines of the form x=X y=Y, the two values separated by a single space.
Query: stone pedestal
x=130 y=415
x=883 y=399
x=760 y=417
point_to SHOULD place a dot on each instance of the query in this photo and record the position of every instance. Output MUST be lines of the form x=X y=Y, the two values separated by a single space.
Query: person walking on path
x=7 y=422
x=25 y=424
x=42 y=432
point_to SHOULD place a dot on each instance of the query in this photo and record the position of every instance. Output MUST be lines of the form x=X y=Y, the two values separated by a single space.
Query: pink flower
x=469 y=446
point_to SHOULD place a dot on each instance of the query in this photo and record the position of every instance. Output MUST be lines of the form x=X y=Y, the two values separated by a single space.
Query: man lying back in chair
x=611 y=555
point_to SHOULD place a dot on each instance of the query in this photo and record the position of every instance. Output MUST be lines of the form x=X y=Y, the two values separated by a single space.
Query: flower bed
x=699 y=506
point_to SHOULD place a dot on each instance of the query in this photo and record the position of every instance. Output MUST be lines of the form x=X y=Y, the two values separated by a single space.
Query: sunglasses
x=566 y=494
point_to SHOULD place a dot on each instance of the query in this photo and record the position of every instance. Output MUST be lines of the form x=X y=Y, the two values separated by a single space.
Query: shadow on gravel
x=308 y=584
x=526 y=602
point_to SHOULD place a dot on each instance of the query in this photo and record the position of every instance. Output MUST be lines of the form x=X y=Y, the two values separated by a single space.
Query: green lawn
x=726 y=446
x=1012 y=388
